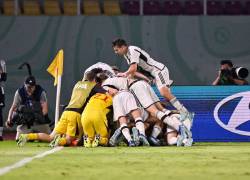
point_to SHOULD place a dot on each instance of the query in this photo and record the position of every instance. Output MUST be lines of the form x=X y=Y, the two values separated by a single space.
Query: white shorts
x=123 y=103
x=144 y=93
x=162 y=78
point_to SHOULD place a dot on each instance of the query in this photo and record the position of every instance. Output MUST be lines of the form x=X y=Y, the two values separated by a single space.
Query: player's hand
x=121 y=74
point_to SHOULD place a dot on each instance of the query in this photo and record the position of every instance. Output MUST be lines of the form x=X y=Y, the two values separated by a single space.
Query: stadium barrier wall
x=222 y=113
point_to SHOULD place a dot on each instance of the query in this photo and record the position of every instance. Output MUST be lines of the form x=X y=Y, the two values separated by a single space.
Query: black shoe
x=1 y=138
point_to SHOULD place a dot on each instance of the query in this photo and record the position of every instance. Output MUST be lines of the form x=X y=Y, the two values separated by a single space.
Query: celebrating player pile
x=121 y=107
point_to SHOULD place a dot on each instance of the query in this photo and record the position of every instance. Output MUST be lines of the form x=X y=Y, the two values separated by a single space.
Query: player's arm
x=131 y=70
x=134 y=60
x=141 y=76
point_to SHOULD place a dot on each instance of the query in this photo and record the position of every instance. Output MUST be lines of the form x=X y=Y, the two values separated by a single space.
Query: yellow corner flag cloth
x=56 y=67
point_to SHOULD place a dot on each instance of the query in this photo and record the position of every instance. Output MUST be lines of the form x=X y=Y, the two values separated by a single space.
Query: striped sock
x=125 y=132
x=139 y=124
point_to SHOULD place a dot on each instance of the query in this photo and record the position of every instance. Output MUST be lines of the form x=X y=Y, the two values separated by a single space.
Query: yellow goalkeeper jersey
x=99 y=102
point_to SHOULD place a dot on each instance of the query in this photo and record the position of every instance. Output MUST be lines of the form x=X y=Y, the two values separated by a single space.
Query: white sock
x=172 y=141
x=166 y=111
x=125 y=132
x=160 y=115
x=156 y=131
x=139 y=124
x=176 y=103
x=173 y=122
x=187 y=124
x=1 y=131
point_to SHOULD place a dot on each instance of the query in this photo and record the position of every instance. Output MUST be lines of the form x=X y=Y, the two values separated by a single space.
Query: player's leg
x=72 y=128
x=156 y=130
x=139 y=124
x=88 y=128
x=125 y=130
x=101 y=129
x=122 y=107
x=163 y=84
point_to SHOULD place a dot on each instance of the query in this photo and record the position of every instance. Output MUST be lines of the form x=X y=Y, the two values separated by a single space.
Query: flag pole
x=56 y=70
x=58 y=95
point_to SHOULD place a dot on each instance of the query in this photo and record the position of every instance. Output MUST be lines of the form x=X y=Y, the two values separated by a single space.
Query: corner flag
x=56 y=70
x=56 y=67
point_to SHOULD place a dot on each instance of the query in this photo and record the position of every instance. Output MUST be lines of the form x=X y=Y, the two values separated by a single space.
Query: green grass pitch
x=211 y=161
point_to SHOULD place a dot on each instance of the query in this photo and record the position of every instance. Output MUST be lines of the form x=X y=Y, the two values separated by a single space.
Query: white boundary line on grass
x=24 y=161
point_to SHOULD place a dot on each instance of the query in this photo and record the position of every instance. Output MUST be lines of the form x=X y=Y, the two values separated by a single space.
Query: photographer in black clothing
x=230 y=75
x=29 y=110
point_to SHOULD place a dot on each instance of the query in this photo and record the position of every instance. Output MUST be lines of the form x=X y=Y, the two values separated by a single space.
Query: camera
x=27 y=116
x=235 y=72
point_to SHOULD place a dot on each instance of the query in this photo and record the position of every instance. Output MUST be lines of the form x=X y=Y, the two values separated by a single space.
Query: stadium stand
x=214 y=7
x=7 y=7
x=193 y=7
x=130 y=7
x=233 y=8
x=70 y=7
x=31 y=7
x=247 y=8
x=151 y=7
x=172 y=7
x=111 y=7
x=91 y=7
x=52 y=7
x=126 y=7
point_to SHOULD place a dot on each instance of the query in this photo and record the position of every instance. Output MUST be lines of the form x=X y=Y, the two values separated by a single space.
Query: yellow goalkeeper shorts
x=69 y=124
x=95 y=122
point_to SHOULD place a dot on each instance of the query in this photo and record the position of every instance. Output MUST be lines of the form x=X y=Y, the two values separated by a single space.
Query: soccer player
x=149 y=101
x=70 y=121
x=124 y=103
x=94 y=120
x=136 y=57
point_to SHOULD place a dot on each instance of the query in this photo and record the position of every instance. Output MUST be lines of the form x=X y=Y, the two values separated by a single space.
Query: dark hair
x=229 y=62
x=91 y=75
x=119 y=42
x=100 y=77
x=97 y=70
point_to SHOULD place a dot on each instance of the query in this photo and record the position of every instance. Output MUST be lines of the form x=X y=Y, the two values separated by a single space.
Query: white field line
x=24 y=161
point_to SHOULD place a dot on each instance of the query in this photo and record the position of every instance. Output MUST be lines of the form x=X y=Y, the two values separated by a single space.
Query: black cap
x=30 y=80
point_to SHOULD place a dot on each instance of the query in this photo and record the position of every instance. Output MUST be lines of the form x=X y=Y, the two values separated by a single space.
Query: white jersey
x=119 y=83
x=142 y=59
x=103 y=66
